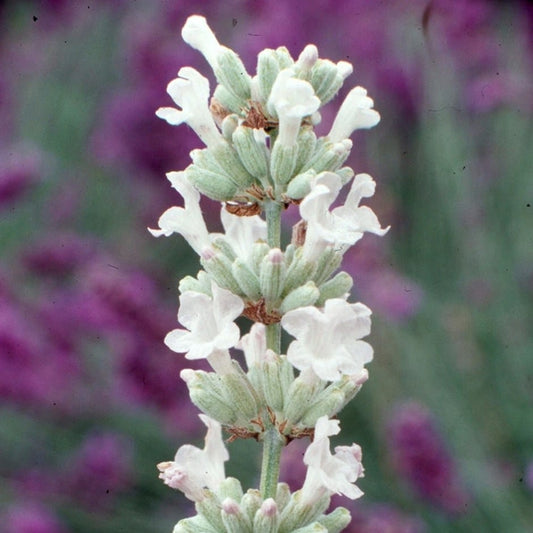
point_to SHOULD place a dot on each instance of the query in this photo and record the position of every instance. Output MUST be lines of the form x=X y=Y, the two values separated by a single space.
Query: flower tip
x=275 y=256
x=207 y=253
x=362 y=377
x=197 y=34
x=230 y=506
x=269 y=507
x=156 y=232
x=187 y=375
x=308 y=57
x=192 y=25
x=164 y=466
x=344 y=69
x=171 y=115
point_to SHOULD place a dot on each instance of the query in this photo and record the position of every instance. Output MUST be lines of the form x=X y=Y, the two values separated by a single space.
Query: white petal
x=178 y=340
x=226 y=305
x=197 y=34
x=355 y=112
x=171 y=115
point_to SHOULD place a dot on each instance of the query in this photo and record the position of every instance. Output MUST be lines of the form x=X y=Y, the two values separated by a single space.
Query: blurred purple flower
x=419 y=454
x=132 y=137
x=122 y=298
x=149 y=374
x=100 y=469
x=382 y=519
x=33 y=370
x=35 y=484
x=385 y=290
x=466 y=29
x=20 y=168
x=31 y=518
x=490 y=91
x=58 y=254
x=390 y=294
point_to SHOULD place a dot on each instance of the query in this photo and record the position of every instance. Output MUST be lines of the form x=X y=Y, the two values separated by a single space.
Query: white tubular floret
x=355 y=113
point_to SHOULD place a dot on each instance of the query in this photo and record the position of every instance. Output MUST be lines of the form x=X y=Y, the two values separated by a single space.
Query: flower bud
x=300 y=271
x=251 y=502
x=329 y=402
x=284 y=57
x=230 y=488
x=228 y=159
x=209 y=508
x=235 y=521
x=272 y=275
x=307 y=59
x=327 y=78
x=229 y=125
x=222 y=245
x=332 y=158
x=259 y=251
x=252 y=152
x=247 y=279
x=315 y=527
x=272 y=386
x=351 y=385
x=201 y=284
x=300 y=396
x=206 y=393
x=219 y=267
x=327 y=263
x=306 y=147
x=336 y=287
x=298 y=512
x=266 y=519
x=193 y=525
x=231 y=73
x=345 y=174
x=216 y=186
x=336 y=521
x=286 y=375
x=283 y=496
x=241 y=395
x=300 y=185
x=228 y=100
x=268 y=68
x=283 y=162
x=300 y=297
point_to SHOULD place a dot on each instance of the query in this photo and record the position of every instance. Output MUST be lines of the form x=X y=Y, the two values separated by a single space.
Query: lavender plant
x=262 y=156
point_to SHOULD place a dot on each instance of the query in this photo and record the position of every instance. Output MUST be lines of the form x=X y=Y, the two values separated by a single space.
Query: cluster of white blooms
x=262 y=156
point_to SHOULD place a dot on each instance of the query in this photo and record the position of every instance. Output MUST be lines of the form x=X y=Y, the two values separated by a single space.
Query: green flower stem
x=273 y=441
x=273 y=219
x=273 y=337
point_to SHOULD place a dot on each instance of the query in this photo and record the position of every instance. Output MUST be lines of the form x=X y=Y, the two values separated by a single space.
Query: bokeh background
x=90 y=397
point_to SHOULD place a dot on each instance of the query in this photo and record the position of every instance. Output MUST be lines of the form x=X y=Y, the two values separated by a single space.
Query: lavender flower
x=383 y=519
x=31 y=518
x=420 y=456
x=21 y=168
x=100 y=470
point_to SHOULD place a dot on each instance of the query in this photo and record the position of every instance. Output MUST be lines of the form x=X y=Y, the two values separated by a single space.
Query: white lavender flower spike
x=266 y=157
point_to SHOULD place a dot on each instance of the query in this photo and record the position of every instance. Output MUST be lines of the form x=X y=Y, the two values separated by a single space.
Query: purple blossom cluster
x=421 y=457
x=383 y=519
x=93 y=323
